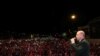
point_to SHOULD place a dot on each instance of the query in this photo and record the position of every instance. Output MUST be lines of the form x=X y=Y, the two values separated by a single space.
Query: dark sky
x=46 y=16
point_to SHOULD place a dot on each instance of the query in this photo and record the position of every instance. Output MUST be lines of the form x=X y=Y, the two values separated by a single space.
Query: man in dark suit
x=81 y=46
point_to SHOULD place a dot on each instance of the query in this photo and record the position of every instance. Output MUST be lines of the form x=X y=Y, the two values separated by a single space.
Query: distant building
x=92 y=29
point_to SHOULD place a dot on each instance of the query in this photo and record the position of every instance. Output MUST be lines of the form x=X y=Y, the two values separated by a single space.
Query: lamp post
x=73 y=18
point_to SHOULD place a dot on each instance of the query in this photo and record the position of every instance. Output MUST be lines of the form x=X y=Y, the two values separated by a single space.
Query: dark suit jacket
x=81 y=48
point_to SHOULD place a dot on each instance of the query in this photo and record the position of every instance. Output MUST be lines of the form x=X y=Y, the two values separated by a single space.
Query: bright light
x=73 y=17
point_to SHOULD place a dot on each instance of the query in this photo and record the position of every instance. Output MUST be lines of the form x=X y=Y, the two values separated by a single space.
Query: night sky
x=46 y=16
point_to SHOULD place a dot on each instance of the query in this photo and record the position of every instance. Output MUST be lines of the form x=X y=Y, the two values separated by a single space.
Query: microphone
x=74 y=40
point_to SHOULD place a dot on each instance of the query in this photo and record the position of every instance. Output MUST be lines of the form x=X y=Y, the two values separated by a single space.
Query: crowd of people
x=95 y=48
x=41 y=47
